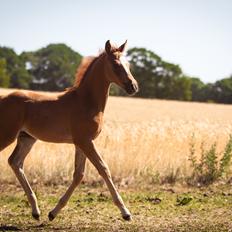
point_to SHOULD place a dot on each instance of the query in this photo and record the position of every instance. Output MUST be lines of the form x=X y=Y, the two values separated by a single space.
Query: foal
x=73 y=116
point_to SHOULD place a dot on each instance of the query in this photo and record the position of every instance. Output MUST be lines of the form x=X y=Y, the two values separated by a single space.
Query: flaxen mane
x=83 y=68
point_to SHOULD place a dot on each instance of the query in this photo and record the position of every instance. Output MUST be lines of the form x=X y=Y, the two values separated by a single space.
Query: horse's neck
x=95 y=86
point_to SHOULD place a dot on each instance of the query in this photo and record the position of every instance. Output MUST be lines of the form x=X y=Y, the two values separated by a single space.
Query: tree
x=19 y=77
x=145 y=67
x=116 y=90
x=53 y=67
x=223 y=90
x=4 y=77
x=158 y=78
x=182 y=89
x=197 y=88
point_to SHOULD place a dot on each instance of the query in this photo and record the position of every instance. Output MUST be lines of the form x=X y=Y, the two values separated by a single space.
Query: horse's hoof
x=36 y=216
x=127 y=217
x=51 y=217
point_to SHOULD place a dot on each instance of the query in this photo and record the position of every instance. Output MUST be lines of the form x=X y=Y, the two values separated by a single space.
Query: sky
x=195 y=34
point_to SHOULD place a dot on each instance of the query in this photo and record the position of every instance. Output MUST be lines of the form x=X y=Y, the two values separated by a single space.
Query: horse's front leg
x=80 y=160
x=92 y=154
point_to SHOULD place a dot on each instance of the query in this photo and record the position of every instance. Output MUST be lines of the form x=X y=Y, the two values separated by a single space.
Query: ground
x=162 y=208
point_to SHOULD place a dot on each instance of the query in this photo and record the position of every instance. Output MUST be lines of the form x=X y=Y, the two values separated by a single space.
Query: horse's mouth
x=131 y=88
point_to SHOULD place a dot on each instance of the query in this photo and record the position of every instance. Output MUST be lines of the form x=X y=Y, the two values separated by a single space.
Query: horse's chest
x=98 y=121
x=89 y=127
x=95 y=126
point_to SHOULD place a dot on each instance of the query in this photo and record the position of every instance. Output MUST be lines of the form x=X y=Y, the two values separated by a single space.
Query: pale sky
x=196 y=34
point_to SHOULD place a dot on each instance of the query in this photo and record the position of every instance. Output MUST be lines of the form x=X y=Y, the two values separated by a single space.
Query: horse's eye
x=116 y=66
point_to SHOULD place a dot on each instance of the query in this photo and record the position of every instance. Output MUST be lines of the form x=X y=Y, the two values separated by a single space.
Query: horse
x=74 y=116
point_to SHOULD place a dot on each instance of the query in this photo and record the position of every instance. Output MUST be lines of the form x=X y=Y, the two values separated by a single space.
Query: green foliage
x=197 y=87
x=116 y=91
x=4 y=77
x=210 y=167
x=223 y=90
x=220 y=91
x=183 y=200
x=19 y=77
x=182 y=89
x=11 y=58
x=53 y=67
x=158 y=78
x=226 y=158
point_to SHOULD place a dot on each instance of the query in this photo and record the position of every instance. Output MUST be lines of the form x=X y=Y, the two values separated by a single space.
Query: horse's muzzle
x=131 y=87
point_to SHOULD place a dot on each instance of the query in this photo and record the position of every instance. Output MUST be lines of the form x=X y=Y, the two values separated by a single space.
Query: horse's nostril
x=131 y=87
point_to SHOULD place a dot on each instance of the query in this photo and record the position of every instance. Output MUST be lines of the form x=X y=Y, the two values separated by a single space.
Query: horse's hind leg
x=16 y=160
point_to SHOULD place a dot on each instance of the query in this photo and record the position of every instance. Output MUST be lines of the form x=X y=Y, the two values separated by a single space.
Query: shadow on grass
x=42 y=226
x=9 y=228
x=48 y=227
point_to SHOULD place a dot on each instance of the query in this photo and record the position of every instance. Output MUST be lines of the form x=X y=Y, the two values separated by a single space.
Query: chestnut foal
x=73 y=116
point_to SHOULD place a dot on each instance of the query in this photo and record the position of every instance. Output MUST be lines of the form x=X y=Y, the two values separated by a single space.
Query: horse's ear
x=108 y=47
x=122 y=47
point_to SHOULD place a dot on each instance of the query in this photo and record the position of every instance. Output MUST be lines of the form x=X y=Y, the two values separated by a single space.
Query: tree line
x=53 y=68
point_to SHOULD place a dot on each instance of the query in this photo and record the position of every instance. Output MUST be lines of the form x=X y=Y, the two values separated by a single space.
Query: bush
x=210 y=167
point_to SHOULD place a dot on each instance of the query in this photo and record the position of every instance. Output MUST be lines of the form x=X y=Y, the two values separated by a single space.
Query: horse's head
x=118 y=70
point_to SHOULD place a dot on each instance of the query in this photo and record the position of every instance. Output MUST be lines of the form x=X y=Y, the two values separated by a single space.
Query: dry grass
x=140 y=138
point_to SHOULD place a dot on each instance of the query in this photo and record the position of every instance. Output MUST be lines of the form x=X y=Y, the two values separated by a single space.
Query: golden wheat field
x=140 y=138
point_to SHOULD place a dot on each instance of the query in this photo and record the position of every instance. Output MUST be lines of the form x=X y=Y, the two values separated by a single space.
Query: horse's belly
x=49 y=122
x=52 y=134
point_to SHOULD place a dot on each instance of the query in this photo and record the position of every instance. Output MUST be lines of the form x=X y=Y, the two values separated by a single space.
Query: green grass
x=162 y=208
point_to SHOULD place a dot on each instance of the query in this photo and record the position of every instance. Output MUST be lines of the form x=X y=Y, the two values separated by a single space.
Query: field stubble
x=142 y=141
